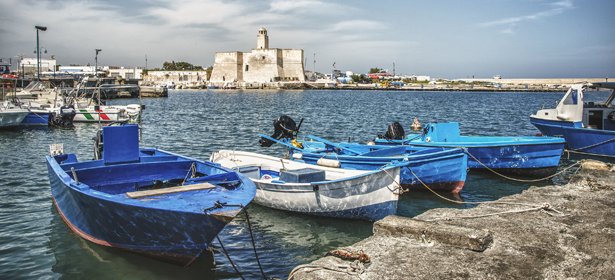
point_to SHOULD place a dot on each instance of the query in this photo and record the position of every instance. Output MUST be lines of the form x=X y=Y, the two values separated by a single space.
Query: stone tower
x=262 y=40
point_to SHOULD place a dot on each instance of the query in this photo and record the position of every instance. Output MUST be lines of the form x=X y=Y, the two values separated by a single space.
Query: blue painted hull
x=38 y=119
x=440 y=169
x=536 y=157
x=593 y=141
x=174 y=227
x=550 y=127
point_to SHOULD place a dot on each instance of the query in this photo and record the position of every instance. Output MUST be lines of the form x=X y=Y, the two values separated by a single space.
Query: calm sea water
x=35 y=243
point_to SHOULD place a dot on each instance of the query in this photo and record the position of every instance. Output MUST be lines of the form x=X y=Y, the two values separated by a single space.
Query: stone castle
x=261 y=65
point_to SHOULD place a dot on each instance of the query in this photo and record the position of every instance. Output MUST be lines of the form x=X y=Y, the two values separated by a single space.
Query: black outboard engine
x=284 y=127
x=67 y=114
x=395 y=132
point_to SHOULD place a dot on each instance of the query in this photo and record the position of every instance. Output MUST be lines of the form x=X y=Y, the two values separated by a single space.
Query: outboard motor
x=284 y=127
x=395 y=132
x=67 y=114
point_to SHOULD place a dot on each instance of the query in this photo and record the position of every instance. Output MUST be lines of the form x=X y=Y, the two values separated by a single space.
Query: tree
x=374 y=70
x=168 y=66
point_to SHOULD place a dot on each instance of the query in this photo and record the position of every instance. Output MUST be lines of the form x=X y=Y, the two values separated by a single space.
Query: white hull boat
x=316 y=190
x=11 y=115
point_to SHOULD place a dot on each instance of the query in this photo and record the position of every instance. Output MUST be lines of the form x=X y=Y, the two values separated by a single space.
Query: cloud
x=510 y=23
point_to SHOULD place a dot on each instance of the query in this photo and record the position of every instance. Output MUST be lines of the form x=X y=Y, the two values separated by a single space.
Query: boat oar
x=280 y=142
x=334 y=145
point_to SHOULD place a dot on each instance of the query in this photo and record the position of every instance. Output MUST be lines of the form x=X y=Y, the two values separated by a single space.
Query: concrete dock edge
x=574 y=238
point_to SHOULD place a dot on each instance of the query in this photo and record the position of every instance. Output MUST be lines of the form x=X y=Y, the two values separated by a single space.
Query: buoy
x=416 y=125
x=328 y=163
x=371 y=143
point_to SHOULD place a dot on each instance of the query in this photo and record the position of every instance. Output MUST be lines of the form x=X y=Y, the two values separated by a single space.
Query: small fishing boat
x=11 y=114
x=45 y=114
x=441 y=169
x=148 y=201
x=536 y=157
x=317 y=190
x=587 y=127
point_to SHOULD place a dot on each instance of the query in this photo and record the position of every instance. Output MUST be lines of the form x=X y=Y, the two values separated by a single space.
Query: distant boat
x=316 y=190
x=536 y=157
x=587 y=127
x=147 y=201
x=11 y=115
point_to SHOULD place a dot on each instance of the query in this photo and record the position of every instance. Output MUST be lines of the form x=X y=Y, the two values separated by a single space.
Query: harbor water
x=35 y=243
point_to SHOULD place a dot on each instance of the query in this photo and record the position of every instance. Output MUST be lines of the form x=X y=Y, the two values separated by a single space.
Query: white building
x=28 y=65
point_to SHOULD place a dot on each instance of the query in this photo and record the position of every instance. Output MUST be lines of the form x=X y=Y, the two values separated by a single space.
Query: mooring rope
x=222 y=245
x=597 y=144
x=544 y=206
x=193 y=170
x=520 y=180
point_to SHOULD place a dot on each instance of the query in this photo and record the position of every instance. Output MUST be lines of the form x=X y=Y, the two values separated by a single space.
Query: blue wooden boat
x=587 y=127
x=536 y=157
x=442 y=169
x=148 y=201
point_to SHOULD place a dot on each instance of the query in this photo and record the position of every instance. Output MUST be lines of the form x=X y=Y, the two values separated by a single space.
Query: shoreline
x=570 y=234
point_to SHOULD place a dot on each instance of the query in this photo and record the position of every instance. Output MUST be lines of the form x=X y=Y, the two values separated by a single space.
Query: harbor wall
x=551 y=232
x=227 y=67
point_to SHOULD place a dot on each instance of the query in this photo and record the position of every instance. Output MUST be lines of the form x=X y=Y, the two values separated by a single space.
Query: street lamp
x=96 y=66
x=145 y=61
x=38 y=73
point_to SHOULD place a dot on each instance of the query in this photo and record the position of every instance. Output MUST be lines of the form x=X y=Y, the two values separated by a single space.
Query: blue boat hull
x=593 y=141
x=444 y=170
x=530 y=160
x=38 y=119
x=174 y=227
x=550 y=127
x=536 y=157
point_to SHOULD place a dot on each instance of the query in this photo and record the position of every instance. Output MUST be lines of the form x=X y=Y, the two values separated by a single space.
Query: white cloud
x=558 y=8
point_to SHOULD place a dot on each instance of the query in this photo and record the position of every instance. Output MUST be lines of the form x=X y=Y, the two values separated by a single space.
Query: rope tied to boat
x=520 y=180
x=192 y=170
x=544 y=207
x=597 y=144
x=400 y=189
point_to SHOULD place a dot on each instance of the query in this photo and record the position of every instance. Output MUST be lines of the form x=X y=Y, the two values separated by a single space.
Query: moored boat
x=148 y=201
x=441 y=169
x=317 y=190
x=536 y=157
x=11 y=115
x=587 y=127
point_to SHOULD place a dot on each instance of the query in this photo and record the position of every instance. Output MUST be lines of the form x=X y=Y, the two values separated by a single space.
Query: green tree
x=374 y=70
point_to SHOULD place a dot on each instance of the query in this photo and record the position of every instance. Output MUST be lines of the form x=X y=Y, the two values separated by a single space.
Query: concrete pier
x=553 y=232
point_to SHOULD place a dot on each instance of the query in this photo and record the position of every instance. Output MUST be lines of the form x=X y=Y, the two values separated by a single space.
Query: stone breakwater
x=552 y=232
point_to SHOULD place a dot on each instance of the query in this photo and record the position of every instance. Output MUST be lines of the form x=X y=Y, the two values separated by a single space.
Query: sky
x=441 y=38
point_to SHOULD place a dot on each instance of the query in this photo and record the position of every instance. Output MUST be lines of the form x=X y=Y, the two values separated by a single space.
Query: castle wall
x=292 y=64
x=261 y=65
x=227 y=67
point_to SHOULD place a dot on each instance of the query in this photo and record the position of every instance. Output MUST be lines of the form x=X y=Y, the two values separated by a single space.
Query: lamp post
x=38 y=73
x=145 y=61
x=96 y=63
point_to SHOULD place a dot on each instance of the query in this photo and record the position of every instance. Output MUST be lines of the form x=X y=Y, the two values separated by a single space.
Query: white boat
x=316 y=190
x=87 y=109
x=11 y=115
x=588 y=127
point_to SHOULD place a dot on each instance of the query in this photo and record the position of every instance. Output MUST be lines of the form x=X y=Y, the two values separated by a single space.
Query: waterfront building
x=261 y=65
